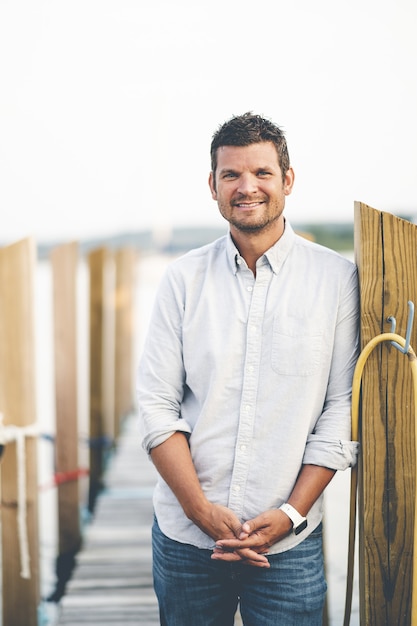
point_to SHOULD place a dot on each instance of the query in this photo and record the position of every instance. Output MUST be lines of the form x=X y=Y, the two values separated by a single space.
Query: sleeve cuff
x=152 y=440
x=331 y=453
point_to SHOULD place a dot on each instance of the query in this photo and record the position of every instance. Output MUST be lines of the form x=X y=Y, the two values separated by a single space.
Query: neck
x=252 y=246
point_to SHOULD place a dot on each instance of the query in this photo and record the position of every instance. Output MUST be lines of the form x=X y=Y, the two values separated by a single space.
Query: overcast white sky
x=107 y=107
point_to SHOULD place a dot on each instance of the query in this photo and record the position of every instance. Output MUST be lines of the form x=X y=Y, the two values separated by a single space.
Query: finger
x=257 y=563
x=240 y=544
x=255 y=525
x=252 y=555
x=248 y=556
x=230 y=557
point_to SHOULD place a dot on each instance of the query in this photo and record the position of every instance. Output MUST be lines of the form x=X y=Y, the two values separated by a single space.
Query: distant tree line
x=338 y=236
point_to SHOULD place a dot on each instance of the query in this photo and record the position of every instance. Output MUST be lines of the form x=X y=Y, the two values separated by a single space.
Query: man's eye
x=264 y=173
x=230 y=175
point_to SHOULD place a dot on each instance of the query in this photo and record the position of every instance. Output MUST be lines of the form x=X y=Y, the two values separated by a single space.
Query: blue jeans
x=194 y=590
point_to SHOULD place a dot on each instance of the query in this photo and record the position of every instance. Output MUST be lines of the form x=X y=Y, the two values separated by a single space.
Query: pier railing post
x=101 y=272
x=125 y=261
x=64 y=261
x=21 y=595
x=385 y=250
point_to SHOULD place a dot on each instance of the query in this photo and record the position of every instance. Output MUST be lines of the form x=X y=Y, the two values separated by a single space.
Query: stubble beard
x=265 y=222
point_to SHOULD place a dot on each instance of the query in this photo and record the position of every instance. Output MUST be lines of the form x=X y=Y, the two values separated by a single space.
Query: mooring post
x=385 y=250
x=19 y=468
x=125 y=261
x=64 y=261
x=101 y=272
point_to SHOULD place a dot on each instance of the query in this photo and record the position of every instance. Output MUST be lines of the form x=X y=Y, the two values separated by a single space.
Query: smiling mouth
x=248 y=205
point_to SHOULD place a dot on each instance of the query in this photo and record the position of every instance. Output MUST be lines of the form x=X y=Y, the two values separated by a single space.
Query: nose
x=247 y=184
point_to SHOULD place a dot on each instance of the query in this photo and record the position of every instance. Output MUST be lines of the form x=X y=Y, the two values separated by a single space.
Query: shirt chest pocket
x=296 y=346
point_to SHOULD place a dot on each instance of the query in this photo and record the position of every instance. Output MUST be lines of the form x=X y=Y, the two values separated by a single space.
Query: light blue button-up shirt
x=257 y=371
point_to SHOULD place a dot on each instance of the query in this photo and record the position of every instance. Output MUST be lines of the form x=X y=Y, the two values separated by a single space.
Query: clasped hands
x=247 y=542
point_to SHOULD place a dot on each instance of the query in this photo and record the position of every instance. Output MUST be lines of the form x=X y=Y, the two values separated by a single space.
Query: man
x=244 y=397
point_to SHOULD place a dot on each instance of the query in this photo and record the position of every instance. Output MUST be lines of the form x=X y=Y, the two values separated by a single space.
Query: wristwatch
x=299 y=522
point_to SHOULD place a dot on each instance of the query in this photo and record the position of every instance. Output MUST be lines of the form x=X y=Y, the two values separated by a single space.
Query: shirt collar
x=232 y=254
x=275 y=256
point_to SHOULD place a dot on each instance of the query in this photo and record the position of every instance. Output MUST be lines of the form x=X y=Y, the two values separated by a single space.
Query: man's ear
x=212 y=185
x=288 y=181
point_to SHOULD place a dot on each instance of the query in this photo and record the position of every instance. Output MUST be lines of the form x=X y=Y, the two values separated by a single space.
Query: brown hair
x=246 y=129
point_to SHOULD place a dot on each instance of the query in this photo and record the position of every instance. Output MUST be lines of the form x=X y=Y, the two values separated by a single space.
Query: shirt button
x=236 y=488
x=249 y=288
x=243 y=448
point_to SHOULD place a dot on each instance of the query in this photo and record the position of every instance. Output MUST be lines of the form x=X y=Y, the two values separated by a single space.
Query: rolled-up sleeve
x=160 y=380
x=330 y=444
x=336 y=455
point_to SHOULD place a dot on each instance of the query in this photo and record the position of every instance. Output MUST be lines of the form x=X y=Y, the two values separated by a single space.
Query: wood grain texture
x=17 y=402
x=64 y=261
x=386 y=256
x=125 y=262
x=112 y=583
x=101 y=273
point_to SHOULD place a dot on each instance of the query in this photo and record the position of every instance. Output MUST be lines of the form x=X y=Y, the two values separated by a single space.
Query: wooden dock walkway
x=112 y=582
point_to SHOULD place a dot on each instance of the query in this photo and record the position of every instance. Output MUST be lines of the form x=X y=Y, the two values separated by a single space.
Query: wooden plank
x=64 y=261
x=101 y=272
x=112 y=583
x=21 y=596
x=400 y=285
x=109 y=339
x=125 y=261
x=385 y=253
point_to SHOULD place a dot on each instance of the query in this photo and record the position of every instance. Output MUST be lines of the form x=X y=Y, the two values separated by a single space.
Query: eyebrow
x=228 y=170
x=260 y=168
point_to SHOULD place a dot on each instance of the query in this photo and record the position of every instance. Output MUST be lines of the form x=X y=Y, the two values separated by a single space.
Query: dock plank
x=112 y=581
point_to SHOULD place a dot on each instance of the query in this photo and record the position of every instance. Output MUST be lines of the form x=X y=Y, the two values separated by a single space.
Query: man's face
x=248 y=186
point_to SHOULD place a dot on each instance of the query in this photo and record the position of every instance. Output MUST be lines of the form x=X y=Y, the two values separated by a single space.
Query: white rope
x=8 y=434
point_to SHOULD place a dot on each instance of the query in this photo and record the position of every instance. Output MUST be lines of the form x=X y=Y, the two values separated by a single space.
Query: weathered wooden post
x=64 y=260
x=21 y=589
x=101 y=271
x=125 y=260
x=386 y=252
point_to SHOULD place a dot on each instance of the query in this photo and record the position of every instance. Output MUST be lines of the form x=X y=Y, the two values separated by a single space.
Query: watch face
x=300 y=527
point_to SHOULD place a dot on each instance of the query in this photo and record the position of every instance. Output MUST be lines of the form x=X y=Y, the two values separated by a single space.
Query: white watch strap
x=293 y=514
